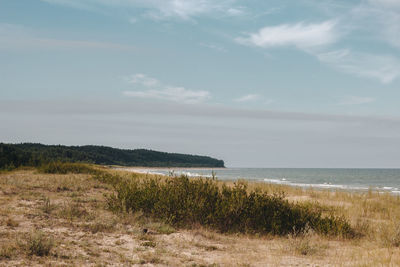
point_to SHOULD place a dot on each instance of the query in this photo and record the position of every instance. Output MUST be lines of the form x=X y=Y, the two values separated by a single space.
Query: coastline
x=327 y=185
x=133 y=169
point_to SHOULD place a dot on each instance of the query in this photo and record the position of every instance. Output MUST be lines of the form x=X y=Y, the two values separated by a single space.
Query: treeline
x=29 y=154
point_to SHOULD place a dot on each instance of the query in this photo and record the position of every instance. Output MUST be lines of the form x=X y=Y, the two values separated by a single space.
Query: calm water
x=348 y=179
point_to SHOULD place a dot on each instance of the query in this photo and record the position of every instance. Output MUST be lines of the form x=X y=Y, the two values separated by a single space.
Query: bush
x=37 y=244
x=183 y=202
x=67 y=167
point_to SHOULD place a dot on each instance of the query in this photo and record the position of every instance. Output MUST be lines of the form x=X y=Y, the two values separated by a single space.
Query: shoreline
x=167 y=168
x=317 y=186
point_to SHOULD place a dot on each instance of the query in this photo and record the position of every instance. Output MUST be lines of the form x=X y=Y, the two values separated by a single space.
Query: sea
x=382 y=180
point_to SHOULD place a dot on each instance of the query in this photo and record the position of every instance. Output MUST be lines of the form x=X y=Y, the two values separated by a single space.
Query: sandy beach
x=70 y=210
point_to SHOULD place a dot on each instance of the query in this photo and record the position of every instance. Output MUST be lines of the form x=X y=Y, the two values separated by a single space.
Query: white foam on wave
x=143 y=171
x=193 y=174
x=324 y=185
x=157 y=172
x=277 y=181
x=389 y=188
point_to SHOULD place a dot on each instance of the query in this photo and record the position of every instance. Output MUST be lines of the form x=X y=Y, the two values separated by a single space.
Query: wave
x=283 y=181
x=186 y=173
x=144 y=171
x=324 y=185
x=193 y=174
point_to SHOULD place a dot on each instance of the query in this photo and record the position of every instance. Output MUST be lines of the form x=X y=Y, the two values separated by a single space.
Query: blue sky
x=258 y=83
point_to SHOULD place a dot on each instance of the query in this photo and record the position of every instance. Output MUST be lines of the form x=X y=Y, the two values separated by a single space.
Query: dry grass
x=76 y=229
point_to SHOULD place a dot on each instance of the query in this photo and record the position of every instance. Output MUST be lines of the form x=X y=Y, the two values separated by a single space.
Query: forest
x=33 y=154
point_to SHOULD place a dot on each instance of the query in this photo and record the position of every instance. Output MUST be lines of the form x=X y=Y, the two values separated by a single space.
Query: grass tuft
x=7 y=251
x=39 y=245
x=304 y=247
x=73 y=210
x=47 y=207
x=10 y=222
x=149 y=244
x=97 y=227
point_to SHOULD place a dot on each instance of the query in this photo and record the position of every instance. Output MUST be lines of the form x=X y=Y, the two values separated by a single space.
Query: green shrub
x=184 y=202
x=67 y=167
x=108 y=178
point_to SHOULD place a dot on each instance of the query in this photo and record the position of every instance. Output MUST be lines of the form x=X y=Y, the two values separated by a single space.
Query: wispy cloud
x=156 y=90
x=161 y=9
x=386 y=3
x=133 y=20
x=382 y=67
x=236 y=11
x=355 y=100
x=247 y=98
x=319 y=39
x=251 y=98
x=214 y=47
x=381 y=18
x=143 y=80
x=20 y=37
x=300 y=35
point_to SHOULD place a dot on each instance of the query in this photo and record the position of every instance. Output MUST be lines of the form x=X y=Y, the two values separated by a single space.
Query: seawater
x=386 y=180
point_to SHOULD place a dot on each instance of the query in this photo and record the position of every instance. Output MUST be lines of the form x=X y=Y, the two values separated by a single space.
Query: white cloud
x=235 y=11
x=300 y=35
x=382 y=67
x=160 y=9
x=375 y=21
x=143 y=80
x=177 y=94
x=317 y=40
x=356 y=100
x=157 y=90
x=247 y=98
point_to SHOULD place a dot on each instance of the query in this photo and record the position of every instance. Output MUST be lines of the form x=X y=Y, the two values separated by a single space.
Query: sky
x=257 y=83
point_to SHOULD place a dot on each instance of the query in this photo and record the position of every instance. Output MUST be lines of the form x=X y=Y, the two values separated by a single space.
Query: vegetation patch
x=149 y=244
x=38 y=244
x=47 y=207
x=99 y=227
x=67 y=167
x=72 y=210
x=184 y=202
x=7 y=251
